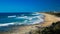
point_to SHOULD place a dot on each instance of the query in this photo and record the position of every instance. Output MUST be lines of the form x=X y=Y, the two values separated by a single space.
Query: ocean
x=8 y=20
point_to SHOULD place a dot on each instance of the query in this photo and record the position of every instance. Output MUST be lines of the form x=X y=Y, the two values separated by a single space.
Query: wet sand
x=49 y=19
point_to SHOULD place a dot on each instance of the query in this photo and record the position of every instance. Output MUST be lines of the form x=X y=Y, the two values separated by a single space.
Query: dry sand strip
x=49 y=19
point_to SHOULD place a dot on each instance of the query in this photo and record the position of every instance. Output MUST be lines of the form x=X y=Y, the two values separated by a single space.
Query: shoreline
x=49 y=19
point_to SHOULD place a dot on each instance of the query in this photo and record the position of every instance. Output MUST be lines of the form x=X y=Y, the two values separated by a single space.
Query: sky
x=29 y=5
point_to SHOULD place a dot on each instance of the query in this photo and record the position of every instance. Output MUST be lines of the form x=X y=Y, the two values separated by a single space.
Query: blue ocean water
x=7 y=20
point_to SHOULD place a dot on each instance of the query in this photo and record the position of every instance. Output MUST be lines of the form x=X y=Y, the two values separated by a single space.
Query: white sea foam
x=6 y=24
x=40 y=20
x=28 y=21
x=11 y=16
x=21 y=17
x=36 y=14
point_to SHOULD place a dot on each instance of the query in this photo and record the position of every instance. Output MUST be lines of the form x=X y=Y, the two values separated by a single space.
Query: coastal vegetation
x=54 y=13
x=51 y=25
x=53 y=29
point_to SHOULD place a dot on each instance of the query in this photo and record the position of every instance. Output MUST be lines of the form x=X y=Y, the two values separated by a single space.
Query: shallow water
x=8 y=20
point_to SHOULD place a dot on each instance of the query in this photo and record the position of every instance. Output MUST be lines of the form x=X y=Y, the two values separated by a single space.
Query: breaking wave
x=34 y=18
x=6 y=24
x=11 y=16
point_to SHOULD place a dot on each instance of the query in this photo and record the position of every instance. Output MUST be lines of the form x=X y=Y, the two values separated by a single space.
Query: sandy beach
x=49 y=19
